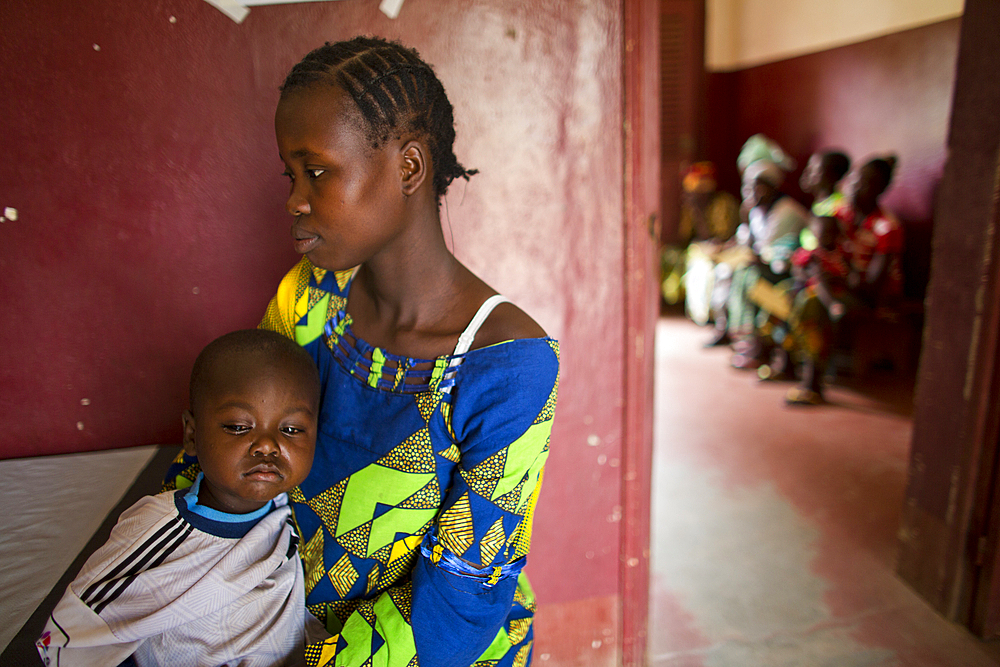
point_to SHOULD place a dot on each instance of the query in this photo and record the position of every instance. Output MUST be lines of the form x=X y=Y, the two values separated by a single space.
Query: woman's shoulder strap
x=467 y=336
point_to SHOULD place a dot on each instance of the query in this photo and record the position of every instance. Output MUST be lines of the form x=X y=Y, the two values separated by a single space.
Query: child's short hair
x=395 y=91
x=259 y=343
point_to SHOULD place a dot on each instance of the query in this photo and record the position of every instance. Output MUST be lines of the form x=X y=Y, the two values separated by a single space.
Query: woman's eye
x=315 y=173
x=235 y=429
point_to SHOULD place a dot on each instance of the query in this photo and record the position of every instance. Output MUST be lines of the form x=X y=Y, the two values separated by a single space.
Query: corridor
x=774 y=528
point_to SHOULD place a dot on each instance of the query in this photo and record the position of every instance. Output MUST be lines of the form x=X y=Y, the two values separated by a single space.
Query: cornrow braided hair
x=395 y=91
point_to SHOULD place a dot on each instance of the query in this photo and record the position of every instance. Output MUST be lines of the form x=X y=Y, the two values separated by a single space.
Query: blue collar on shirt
x=212 y=521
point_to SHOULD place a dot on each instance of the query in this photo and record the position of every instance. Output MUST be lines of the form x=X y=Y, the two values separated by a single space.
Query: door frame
x=950 y=531
x=641 y=121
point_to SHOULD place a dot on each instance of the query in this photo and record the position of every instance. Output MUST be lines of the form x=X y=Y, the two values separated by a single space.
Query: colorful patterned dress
x=882 y=233
x=416 y=517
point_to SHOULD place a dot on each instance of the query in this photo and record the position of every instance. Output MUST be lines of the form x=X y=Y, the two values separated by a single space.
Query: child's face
x=346 y=196
x=255 y=434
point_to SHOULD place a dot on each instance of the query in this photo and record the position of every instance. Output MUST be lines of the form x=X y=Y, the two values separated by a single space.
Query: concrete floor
x=774 y=528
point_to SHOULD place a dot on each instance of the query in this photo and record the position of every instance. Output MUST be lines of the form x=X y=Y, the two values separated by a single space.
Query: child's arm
x=76 y=633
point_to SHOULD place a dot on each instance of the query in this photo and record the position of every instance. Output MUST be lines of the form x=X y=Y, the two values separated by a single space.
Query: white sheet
x=51 y=506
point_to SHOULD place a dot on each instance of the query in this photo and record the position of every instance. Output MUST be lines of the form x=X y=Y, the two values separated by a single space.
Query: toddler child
x=823 y=270
x=821 y=276
x=209 y=574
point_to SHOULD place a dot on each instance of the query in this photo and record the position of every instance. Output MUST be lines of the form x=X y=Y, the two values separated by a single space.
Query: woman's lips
x=306 y=244
x=304 y=241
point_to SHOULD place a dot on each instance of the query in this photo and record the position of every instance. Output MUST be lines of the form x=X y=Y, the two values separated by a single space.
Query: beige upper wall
x=744 y=33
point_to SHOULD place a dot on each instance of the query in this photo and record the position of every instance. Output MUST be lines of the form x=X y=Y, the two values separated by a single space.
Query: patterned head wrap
x=700 y=177
x=764 y=170
x=759 y=147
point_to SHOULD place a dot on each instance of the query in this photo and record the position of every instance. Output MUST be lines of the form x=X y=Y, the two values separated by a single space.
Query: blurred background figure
x=763 y=159
x=831 y=308
x=770 y=235
x=819 y=299
x=874 y=236
x=824 y=170
x=708 y=219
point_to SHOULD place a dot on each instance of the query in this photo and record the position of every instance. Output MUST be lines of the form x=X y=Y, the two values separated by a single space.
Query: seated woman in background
x=708 y=219
x=874 y=236
x=823 y=172
x=772 y=235
x=737 y=255
x=872 y=243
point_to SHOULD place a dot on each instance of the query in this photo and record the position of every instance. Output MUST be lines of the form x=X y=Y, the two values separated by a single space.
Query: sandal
x=719 y=339
x=800 y=396
x=766 y=373
x=744 y=362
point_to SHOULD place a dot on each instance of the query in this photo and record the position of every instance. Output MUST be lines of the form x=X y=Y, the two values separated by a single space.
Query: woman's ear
x=413 y=166
x=187 y=419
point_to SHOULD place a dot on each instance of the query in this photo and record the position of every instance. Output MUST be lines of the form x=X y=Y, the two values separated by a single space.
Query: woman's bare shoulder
x=507 y=322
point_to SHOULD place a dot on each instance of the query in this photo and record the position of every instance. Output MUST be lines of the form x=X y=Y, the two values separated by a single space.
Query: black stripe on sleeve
x=122 y=584
x=137 y=562
x=136 y=553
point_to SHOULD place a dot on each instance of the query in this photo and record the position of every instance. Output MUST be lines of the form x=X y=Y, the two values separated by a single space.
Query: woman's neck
x=404 y=294
x=767 y=203
x=865 y=209
x=823 y=191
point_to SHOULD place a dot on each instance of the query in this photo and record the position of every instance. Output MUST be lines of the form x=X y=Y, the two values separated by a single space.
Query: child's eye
x=315 y=173
x=235 y=429
x=289 y=175
x=292 y=430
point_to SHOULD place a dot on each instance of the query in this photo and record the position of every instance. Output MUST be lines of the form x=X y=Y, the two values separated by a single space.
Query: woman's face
x=345 y=195
x=812 y=174
x=757 y=191
x=863 y=187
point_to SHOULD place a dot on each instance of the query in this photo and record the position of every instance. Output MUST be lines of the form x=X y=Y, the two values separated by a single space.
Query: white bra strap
x=465 y=340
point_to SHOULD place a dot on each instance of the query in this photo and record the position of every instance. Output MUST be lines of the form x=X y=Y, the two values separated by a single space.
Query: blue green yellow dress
x=416 y=518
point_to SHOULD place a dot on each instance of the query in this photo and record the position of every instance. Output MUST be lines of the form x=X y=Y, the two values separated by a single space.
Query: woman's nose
x=296 y=203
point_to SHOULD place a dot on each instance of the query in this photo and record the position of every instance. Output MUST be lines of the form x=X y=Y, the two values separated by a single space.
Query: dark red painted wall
x=889 y=94
x=152 y=220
